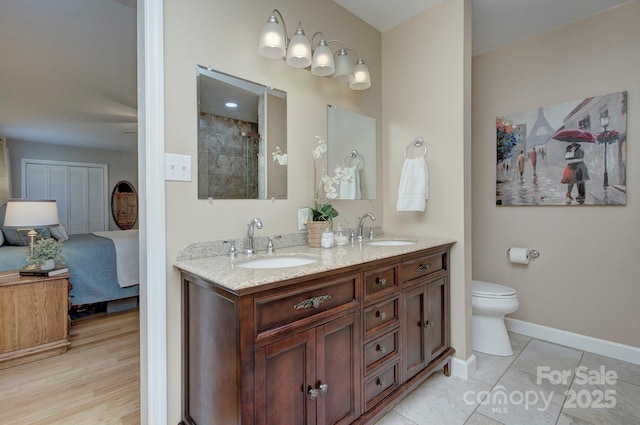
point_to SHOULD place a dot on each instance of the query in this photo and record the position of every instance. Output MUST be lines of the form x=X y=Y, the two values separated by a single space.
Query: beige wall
x=426 y=73
x=586 y=279
x=224 y=34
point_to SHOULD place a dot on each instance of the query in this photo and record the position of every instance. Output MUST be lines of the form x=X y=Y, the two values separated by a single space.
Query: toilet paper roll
x=519 y=255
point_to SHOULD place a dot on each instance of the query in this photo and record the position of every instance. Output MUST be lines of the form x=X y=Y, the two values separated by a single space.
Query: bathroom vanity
x=339 y=341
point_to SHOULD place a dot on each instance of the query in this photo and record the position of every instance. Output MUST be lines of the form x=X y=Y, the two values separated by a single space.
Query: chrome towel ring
x=353 y=154
x=417 y=142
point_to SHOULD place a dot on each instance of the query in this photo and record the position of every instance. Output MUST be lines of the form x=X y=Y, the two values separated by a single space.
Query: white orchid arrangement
x=279 y=156
x=326 y=189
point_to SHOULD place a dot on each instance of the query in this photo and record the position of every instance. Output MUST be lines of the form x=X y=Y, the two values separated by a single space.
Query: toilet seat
x=480 y=289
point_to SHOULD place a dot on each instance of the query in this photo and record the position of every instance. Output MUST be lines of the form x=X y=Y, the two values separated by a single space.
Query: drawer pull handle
x=423 y=267
x=381 y=281
x=381 y=348
x=313 y=393
x=323 y=388
x=428 y=324
x=381 y=315
x=381 y=383
x=312 y=302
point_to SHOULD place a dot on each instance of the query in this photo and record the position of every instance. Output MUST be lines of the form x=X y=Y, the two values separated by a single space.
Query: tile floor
x=541 y=383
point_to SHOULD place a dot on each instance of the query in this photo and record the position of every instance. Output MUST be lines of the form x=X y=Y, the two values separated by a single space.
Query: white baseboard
x=463 y=368
x=626 y=353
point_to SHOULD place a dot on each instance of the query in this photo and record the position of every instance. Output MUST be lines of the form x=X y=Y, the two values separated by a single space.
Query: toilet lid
x=487 y=289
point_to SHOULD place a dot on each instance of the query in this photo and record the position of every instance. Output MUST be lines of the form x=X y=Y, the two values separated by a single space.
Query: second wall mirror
x=352 y=144
x=242 y=138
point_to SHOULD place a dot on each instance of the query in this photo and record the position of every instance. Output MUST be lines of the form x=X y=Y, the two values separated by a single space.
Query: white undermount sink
x=392 y=242
x=276 y=262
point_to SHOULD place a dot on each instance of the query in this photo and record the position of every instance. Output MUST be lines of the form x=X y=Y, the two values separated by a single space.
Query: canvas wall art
x=574 y=153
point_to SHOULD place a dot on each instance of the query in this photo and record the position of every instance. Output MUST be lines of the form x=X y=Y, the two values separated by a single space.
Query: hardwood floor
x=96 y=382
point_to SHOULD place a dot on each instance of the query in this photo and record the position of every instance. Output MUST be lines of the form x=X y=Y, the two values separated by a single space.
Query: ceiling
x=68 y=74
x=495 y=23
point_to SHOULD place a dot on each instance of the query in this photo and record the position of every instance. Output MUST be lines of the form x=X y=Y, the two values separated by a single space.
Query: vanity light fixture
x=299 y=53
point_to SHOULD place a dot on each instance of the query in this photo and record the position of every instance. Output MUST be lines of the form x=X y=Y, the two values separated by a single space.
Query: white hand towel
x=413 y=190
x=351 y=189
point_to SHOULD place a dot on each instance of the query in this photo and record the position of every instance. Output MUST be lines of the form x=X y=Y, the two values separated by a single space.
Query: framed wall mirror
x=124 y=205
x=242 y=138
x=351 y=143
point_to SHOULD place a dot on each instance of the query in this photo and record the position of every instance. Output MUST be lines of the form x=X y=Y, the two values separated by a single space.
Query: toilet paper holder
x=533 y=253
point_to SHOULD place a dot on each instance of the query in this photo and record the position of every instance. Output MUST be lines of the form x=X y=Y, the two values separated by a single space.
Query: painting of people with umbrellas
x=574 y=153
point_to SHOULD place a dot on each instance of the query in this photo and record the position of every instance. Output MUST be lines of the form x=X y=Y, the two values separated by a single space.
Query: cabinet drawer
x=381 y=384
x=380 y=350
x=287 y=307
x=424 y=266
x=379 y=282
x=381 y=315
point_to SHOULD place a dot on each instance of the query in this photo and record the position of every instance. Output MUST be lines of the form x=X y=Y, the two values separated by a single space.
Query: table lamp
x=29 y=214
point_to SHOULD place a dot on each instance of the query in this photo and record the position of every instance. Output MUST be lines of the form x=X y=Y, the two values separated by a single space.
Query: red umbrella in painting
x=574 y=136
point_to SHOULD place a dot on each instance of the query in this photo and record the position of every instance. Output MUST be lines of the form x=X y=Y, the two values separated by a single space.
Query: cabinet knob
x=381 y=383
x=381 y=348
x=315 y=392
x=381 y=281
x=427 y=324
x=381 y=315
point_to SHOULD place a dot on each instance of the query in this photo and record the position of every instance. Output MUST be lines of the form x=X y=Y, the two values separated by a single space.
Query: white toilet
x=489 y=303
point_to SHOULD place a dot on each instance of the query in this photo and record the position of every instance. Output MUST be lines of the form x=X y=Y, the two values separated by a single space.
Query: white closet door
x=95 y=200
x=78 y=200
x=59 y=191
x=37 y=182
x=78 y=188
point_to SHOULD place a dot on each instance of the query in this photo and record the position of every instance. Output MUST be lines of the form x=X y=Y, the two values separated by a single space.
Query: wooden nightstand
x=34 y=317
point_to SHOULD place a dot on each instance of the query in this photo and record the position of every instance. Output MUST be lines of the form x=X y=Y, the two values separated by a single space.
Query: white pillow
x=59 y=233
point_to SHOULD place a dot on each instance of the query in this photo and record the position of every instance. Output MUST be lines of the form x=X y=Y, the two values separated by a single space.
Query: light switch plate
x=304 y=215
x=177 y=167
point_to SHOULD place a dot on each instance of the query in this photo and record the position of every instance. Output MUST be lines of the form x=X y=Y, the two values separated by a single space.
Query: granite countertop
x=225 y=271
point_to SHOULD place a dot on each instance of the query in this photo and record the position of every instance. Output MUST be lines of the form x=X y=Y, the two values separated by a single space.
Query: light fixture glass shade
x=361 y=78
x=30 y=213
x=344 y=68
x=273 y=40
x=299 y=50
x=322 y=64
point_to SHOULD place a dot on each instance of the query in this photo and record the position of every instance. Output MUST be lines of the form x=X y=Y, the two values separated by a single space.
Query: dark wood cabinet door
x=285 y=374
x=414 y=357
x=437 y=324
x=338 y=370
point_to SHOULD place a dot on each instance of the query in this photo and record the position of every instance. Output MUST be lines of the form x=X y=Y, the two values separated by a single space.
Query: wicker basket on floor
x=314 y=232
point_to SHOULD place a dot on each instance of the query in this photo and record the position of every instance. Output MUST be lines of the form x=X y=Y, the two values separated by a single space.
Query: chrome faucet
x=249 y=248
x=361 y=225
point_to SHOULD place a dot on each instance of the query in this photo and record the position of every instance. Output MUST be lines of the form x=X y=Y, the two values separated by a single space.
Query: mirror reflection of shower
x=240 y=125
x=252 y=152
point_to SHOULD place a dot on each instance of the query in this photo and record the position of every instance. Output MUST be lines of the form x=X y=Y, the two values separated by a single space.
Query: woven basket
x=314 y=232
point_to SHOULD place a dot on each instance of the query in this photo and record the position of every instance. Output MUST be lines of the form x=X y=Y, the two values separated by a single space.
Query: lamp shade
x=299 y=50
x=322 y=64
x=30 y=213
x=344 y=67
x=361 y=78
x=273 y=40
